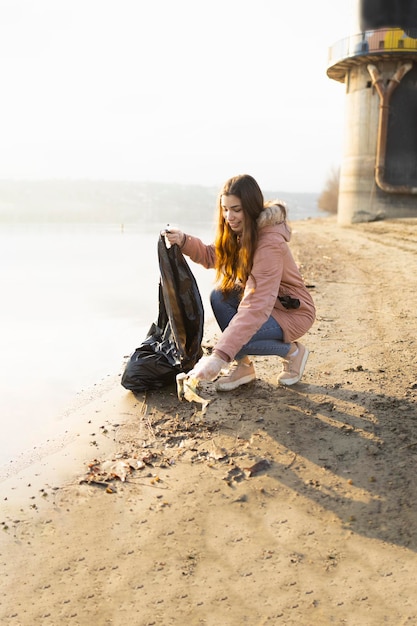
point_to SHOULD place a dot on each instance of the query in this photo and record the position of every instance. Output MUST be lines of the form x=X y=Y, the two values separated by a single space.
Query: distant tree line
x=123 y=202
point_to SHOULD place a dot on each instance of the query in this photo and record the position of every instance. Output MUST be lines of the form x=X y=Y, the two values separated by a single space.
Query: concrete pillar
x=357 y=172
x=363 y=196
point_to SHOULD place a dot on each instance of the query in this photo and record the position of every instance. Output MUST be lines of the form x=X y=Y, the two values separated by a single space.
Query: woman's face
x=233 y=213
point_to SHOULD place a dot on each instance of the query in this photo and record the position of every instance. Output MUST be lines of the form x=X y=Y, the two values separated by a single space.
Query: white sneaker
x=293 y=366
x=240 y=374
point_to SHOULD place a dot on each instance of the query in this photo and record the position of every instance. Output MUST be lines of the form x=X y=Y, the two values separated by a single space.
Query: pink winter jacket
x=274 y=273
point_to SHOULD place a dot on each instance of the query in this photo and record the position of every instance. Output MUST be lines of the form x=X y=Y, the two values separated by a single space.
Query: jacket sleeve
x=199 y=252
x=259 y=297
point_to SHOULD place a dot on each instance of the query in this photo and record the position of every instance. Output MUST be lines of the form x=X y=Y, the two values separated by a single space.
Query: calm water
x=75 y=300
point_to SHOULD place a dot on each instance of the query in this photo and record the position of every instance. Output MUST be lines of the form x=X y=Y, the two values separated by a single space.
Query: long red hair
x=235 y=254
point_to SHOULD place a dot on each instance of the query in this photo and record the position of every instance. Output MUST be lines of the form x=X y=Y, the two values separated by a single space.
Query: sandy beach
x=292 y=507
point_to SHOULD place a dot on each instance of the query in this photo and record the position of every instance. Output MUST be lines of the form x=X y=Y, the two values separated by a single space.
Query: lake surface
x=75 y=301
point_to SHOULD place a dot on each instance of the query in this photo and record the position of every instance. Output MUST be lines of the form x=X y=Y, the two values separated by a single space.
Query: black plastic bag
x=173 y=343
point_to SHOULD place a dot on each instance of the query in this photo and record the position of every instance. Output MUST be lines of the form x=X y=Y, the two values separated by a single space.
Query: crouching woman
x=260 y=302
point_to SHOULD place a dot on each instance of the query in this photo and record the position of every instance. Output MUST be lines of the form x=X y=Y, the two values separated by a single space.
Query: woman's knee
x=224 y=307
x=221 y=299
x=215 y=297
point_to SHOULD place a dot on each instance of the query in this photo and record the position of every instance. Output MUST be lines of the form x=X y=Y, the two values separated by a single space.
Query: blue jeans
x=266 y=341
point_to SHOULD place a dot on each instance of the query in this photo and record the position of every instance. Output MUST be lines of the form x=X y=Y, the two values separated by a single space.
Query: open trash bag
x=173 y=343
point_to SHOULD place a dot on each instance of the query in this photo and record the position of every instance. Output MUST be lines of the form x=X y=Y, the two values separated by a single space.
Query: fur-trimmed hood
x=275 y=214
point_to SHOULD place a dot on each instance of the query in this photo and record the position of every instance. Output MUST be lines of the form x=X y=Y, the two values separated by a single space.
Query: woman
x=261 y=303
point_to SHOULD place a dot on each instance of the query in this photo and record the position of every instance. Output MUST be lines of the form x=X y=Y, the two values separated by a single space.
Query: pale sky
x=173 y=91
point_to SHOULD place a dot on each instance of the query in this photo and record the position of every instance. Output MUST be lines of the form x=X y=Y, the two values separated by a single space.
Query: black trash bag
x=173 y=343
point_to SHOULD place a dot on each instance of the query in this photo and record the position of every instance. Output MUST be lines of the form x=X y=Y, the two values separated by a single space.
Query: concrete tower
x=378 y=176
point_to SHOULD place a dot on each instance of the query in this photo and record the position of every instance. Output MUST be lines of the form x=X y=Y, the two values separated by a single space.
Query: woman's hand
x=174 y=235
x=208 y=368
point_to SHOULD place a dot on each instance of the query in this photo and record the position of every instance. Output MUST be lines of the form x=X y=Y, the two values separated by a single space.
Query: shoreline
x=84 y=433
x=87 y=435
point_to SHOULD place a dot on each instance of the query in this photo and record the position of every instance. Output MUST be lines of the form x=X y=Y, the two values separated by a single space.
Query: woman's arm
x=193 y=247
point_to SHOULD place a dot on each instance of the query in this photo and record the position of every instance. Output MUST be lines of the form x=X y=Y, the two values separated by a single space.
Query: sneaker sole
x=292 y=381
x=235 y=384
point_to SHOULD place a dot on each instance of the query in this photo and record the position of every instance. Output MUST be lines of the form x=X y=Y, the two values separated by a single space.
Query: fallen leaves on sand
x=108 y=470
x=162 y=439
x=237 y=474
x=217 y=452
x=102 y=472
x=257 y=468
